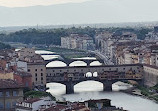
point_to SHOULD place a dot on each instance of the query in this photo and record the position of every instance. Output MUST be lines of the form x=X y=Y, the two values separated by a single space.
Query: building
x=35 y=65
x=68 y=107
x=34 y=104
x=76 y=41
x=38 y=72
x=24 y=78
x=6 y=75
x=24 y=52
x=10 y=93
x=101 y=105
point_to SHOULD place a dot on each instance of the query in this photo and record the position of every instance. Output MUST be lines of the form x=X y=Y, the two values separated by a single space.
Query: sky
x=25 y=3
x=82 y=12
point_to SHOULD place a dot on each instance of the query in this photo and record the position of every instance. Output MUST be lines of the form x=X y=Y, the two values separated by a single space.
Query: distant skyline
x=26 y=3
x=47 y=12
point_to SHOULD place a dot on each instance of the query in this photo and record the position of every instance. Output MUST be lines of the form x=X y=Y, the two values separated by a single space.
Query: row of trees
x=53 y=36
x=4 y=46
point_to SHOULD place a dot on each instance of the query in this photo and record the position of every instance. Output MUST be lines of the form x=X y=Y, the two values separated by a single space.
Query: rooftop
x=32 y=100
x=8 y=84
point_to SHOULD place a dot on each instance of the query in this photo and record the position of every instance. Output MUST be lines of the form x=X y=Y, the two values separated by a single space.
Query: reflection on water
x=93 y=90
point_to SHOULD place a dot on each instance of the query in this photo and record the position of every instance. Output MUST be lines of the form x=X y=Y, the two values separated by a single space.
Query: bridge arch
x=56 y=64
x=78 y=63
x=90 y=85
x=56 y=88
x=96 y=63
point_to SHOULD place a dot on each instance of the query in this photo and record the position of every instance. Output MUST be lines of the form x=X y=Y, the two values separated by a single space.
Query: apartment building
x=10 y=93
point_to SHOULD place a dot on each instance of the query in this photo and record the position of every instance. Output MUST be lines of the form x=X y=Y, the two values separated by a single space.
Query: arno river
x=93 y=90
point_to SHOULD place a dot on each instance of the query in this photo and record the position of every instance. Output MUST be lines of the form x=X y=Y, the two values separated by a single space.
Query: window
x=36 y=74
x=41 y=78
x=14 y=104
x=35 y=69
x=41 y=69
x=36 y=79
x=8 y=105
x=60 y=70
x=1 y=94
x=1 y=105
x=41 y=74
x=7 y=94
x=15 y=93
x=26 y=84
x=28 y=70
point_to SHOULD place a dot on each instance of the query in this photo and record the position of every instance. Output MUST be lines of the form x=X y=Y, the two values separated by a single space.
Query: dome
x=78 y=63
x=56 y=64
x=95 y=63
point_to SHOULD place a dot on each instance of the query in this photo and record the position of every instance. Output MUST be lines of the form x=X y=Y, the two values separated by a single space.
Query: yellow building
x=6 y=75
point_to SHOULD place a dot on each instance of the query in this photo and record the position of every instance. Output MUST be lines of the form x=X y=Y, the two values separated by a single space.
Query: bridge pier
x=69 y=88
x=107 y=86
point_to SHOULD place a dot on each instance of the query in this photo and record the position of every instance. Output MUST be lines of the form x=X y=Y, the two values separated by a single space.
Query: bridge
x=106 y=74
x=69 y=61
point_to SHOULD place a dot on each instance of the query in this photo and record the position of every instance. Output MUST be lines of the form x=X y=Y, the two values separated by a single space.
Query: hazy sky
x=92 y=11
x=24 y=3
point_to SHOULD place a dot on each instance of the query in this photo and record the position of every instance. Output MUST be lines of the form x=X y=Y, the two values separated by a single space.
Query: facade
x=38 y=72
x=24 y=78
x=35 y=104
x=6 y=75
x=151 y=75
x=75 y=41
x=22 y=66
x=10 y=93
x=35 y=66
x=24 y=52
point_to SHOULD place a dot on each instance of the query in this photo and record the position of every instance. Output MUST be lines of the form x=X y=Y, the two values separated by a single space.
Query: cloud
x=25 y=3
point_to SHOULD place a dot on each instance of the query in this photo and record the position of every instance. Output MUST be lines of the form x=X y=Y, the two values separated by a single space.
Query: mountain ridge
x=88 y=12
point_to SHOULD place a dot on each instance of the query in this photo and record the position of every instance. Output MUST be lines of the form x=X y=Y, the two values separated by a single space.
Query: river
x=93 y=90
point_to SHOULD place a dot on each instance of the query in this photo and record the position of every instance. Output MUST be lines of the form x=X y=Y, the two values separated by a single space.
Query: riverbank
x=144 y=92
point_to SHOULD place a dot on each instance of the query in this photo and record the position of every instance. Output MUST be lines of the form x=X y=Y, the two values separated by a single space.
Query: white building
x=75 y=41
x=35 y=104
x=22 y=66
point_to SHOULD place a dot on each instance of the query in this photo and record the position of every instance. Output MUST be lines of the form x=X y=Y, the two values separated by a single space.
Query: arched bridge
x=68 y=62
x=107 y=75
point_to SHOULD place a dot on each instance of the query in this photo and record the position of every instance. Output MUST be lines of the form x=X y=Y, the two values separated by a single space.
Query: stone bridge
x=69 y=61
x=107 y=75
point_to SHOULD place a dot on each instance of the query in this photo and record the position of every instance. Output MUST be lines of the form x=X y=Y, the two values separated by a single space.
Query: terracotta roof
x=58 y=107
x=32 y=100
x=8 y=83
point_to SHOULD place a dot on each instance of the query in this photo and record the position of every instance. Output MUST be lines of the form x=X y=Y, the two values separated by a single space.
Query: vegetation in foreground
x=37 y=94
